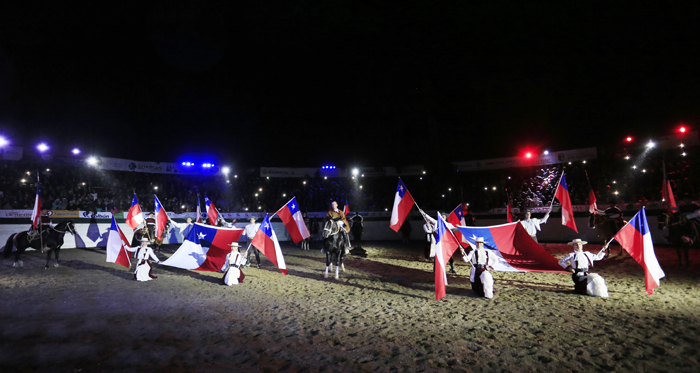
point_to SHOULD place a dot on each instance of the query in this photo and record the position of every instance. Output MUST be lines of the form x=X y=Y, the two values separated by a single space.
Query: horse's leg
x=339 y=261
x=677 y=246
x=18 y=262
x=452 y=266
x=56 y=251
x=48 y=257
x=328 y=264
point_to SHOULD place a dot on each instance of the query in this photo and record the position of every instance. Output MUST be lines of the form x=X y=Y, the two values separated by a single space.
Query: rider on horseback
x=44 y=224
x=613 y=212
x=339 y=216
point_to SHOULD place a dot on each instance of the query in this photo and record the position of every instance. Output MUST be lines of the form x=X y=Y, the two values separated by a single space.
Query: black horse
x=333 y=246
x=52 y=239
x=682 y=233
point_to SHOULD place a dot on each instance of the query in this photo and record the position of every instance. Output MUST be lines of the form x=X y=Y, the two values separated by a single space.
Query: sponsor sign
x=510 y=162
x=63 y=214
x=118 y=164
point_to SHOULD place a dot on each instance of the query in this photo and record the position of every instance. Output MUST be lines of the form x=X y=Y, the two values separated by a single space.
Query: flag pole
x=555 y=191
x=41 y=231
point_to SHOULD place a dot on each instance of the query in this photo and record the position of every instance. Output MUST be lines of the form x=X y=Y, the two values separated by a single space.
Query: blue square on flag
x=293 y=207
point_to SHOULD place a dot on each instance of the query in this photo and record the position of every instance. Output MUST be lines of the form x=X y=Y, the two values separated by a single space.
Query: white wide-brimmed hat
x=577 y=240
x=479 y=239
x=144 y=239
x=233 y=244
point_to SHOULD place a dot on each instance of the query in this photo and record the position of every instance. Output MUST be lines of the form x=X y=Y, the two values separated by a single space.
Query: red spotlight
x=528 y=155
x=629 y=139
x=682 y=129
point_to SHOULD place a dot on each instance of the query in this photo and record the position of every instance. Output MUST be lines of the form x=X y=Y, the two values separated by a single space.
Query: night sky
x=344 y=82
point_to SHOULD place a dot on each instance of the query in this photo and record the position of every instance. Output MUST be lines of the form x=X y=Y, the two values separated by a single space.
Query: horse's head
x=66 y=226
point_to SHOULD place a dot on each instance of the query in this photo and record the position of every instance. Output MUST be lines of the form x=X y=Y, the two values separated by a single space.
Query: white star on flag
x=202 y=236
x=292 y=206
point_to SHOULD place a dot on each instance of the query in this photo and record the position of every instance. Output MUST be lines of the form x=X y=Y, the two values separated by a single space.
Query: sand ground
x=88 y=315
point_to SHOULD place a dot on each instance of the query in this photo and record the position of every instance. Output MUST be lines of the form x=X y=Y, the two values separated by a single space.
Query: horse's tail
x=8 y=246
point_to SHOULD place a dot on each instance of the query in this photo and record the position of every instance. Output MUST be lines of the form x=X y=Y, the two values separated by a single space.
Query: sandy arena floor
x=88 y=315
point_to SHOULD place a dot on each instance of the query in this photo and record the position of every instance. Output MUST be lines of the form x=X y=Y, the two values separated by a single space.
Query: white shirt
x=532 y=225
x=251 y=229
x=581 y=259
x=144 y=253
x=480 y=256
x=180 y=226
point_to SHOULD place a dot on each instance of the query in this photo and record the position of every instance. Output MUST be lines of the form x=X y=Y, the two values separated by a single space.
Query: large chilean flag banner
x=294 y=221
x=205 y=248
x=514 y=249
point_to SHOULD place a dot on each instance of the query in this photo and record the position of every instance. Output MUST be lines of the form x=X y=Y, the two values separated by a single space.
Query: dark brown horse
x=606 y=228
x=682 y=233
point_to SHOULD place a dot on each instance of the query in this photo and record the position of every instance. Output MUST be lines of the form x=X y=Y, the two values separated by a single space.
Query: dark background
x=344 y=82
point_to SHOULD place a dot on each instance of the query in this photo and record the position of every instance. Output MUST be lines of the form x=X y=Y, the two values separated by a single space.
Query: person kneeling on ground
x=143 y=265
x=481 y=260
x=234 y=261
x=578 y=262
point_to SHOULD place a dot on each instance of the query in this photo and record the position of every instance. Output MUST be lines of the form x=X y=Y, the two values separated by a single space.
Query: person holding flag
x=182 y=227
x=234 y=260
x=337 y=215
x=250 y=231
x=481 y=261
x=578 y=263
x=143 y=265
x=532 y=225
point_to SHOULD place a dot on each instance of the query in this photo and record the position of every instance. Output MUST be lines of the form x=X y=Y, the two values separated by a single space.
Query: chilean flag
x=212 y=213
x=636 y=239
x=134 y=217
x=116 y=246
x=403 y=202
x=265 y=240
x=199 y=211
x=514 y=249
x=445 y=245
x=293 y=221
x=456 y=218
x=567 y=212
x=161 y=218
x=592 y=206
x=509 y=213
x=667 y=193
x=205 y=248
x=36 y=213
x=346 y=210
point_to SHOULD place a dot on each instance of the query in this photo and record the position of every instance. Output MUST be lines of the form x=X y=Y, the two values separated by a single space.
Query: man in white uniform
x=532 y=225
x=578 y=263
x=143 y=265
x=182 y=227
x=250 y=230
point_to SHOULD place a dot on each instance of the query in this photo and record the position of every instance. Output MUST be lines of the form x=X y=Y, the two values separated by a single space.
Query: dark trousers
x=257 y=254
x=580 y=282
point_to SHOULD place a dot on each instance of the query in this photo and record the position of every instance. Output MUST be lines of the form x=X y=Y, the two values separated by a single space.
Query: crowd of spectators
x=613 y=176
